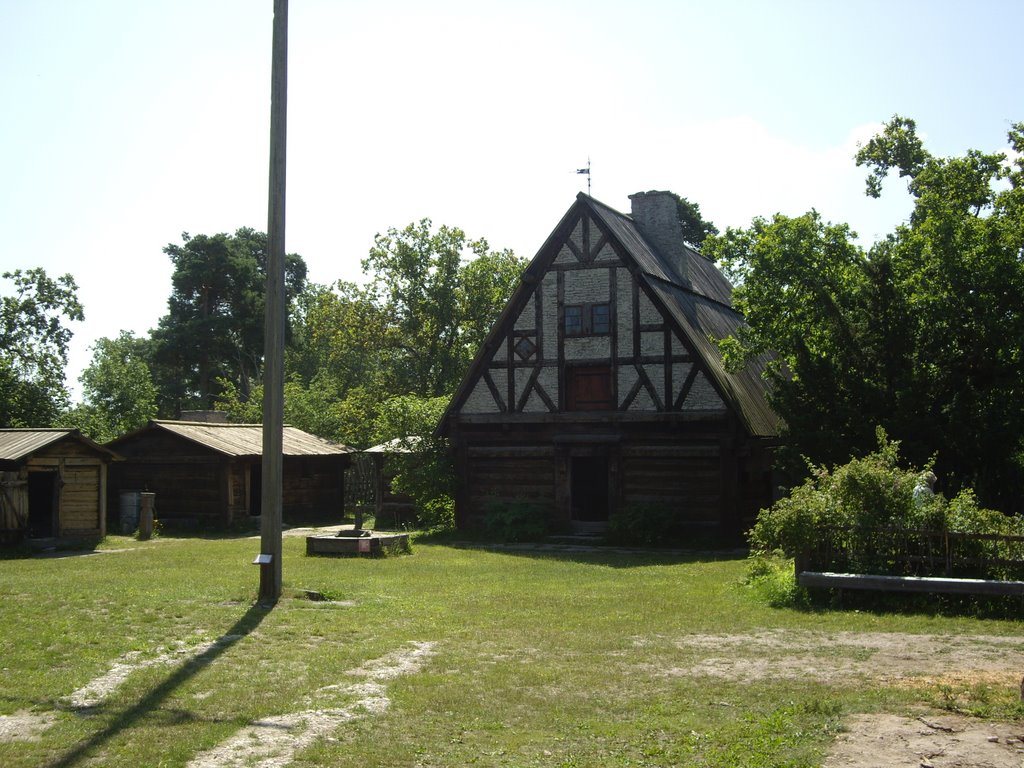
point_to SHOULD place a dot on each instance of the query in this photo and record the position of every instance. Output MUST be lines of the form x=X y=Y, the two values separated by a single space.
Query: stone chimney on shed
x=656 y=215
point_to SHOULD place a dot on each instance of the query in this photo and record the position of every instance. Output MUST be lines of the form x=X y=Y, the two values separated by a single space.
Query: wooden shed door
x=42 y=504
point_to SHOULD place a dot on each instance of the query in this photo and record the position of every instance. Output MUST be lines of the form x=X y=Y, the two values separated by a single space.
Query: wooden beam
x=273 y=360
x=879 y=583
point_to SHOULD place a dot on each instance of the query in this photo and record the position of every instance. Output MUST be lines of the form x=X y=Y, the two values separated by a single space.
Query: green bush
x=770 y=575
x=845 y=516
x=644 y=525
x=514 y=521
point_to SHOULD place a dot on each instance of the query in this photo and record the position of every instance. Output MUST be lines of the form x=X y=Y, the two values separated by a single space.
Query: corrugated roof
x=18 y=444
x=247 y=439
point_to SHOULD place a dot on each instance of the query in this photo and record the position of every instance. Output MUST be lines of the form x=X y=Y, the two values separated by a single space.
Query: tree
x=923 y=334
x=960 y=263
x=485 y=285
x=801 y=284
x=437 y=305
x=214 y=325
x=34 y=347
x=118 y=391
x=425 y=473
x=695 y=229
x=337 y=333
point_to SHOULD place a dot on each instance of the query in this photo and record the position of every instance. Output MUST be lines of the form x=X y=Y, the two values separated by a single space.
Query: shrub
x=770 y=575
x=644 y=525
x=515 y=521
x=846 y=516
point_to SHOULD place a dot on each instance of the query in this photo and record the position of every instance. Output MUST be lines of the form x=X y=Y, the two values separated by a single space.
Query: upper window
x=587 y=320
x=573 y=321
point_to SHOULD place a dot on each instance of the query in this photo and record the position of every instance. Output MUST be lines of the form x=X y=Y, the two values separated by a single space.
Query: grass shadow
x=152 y=700
x=605 y=556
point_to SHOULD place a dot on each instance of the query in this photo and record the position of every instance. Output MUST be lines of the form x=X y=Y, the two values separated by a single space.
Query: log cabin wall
x=197 y=486
x=191 y=483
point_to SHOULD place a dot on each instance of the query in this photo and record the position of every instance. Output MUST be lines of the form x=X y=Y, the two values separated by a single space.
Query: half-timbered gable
x=601 y=386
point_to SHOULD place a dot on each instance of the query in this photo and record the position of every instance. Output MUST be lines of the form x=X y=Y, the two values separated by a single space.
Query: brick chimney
x=656 y=215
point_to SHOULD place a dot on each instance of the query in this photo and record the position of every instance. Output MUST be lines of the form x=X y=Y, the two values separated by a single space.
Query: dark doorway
x=589 y=489
x=256 y=489
x=42 y=504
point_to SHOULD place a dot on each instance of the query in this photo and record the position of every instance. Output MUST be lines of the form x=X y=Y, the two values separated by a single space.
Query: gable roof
x=242 y=440
x=19 y=444
x=698 y=305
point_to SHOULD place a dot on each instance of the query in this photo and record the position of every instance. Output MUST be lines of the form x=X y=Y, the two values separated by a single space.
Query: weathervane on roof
x=587 y=172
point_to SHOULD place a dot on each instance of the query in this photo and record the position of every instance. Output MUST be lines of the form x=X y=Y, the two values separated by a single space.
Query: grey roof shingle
x=702 y=308
x=18 y=444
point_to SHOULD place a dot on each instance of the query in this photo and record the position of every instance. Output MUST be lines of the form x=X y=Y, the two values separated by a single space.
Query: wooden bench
x=985 y=587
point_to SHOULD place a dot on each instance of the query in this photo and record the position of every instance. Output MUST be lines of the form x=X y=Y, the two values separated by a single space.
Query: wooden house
x=53 y=484
x=601 y=388
x=209 y=474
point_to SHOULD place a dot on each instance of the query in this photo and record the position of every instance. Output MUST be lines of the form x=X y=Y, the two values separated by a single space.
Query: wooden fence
x=894 y=559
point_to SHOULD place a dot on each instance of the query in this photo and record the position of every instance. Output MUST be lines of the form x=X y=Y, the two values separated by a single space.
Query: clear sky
x=127 y=122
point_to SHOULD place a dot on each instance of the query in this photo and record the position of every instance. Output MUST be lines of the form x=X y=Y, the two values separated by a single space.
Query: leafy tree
x=923 y=334
x=118 y=391
x=695 y=229
x=34 y=347
x=425 y=473
x=802 y=285
x=485 y=285
x=436 y=304
x=214 y=326
x=337 y=337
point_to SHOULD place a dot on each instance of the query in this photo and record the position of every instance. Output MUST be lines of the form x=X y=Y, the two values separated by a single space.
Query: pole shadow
x=152 y=700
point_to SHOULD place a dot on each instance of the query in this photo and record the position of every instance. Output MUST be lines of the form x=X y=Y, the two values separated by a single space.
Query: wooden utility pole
x=273 y=350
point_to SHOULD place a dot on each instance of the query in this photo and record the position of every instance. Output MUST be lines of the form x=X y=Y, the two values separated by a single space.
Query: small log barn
x=601 y=386
x=209 y=474
x=53 y=484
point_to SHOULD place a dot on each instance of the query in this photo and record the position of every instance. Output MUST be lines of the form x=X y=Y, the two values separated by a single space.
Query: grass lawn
x=527 y=659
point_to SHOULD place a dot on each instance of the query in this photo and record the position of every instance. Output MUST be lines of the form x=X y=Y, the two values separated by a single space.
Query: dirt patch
x=896 y=659
x=831 y=657
x=941 y=741
x=24 y=725
x=273 y=741
x=94 y=692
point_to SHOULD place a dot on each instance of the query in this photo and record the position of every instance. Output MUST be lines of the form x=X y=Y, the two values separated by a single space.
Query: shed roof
x=244 y=440
x=19 y=444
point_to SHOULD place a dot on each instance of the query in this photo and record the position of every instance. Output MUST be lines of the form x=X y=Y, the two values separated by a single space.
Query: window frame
x=585 y=313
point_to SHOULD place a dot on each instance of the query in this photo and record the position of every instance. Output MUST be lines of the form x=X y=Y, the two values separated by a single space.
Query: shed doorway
x=255 y=489
x=42 y=504
x=589 y=489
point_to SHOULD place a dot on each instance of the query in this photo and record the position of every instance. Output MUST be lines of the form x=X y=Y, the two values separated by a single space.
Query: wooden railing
x=893 y=559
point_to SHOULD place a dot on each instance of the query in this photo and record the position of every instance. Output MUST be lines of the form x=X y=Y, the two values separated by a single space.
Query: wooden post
x=273 y=354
